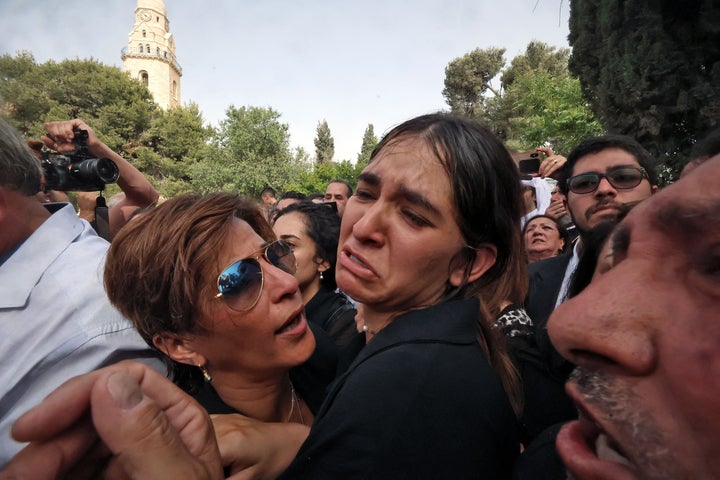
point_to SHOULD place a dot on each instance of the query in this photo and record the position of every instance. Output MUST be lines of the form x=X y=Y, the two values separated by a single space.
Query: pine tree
x=324 y=143
x=368 y=144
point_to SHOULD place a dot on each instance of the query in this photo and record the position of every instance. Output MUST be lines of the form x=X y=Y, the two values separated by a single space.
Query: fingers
x=61 y=135
x=551 y=164
x=54 y=459
x=152 y=436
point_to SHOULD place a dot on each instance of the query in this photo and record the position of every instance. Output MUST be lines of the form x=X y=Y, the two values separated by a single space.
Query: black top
x=334 y=313
x=419 y=401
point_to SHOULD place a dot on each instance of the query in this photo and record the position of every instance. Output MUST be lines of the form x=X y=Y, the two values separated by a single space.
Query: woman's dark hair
x=161 y=267
x=562 y=231
x=486 y=193
x=322 y=224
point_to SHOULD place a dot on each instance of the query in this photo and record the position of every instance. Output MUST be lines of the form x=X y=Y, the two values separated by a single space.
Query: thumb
x=141 y=436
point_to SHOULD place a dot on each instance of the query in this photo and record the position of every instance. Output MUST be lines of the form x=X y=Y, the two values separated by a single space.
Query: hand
x=556 y=209
x=61 y=136
x=255 y=449
x=140 y=426
x=551 y=163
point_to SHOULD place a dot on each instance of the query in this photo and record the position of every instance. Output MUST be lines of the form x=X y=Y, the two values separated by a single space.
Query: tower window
x=141 y=48
x=144 y=77
x=144 y=34
x=147 y=46
x=174 y=89
x=157 y=51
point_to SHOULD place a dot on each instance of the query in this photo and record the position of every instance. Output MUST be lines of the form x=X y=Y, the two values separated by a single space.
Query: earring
x=321 y=276
x=205 y=373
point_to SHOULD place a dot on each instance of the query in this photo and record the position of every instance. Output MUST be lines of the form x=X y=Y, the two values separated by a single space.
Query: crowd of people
x=448 y=317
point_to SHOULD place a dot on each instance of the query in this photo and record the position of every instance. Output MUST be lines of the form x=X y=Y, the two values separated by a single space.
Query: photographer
x=55 y=318
x=139 y=193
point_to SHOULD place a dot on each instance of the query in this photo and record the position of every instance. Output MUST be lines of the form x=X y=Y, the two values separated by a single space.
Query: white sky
x=348 y=62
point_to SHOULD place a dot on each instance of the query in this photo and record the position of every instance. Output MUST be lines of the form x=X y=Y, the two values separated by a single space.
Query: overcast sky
x=349 y=62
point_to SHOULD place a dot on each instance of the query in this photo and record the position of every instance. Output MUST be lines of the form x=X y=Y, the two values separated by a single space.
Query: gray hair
x=20 y=170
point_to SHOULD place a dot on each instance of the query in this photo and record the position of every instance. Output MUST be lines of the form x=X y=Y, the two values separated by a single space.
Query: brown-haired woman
x=204 y=281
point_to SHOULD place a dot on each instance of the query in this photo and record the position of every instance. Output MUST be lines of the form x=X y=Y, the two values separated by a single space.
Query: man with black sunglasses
x=601 y=178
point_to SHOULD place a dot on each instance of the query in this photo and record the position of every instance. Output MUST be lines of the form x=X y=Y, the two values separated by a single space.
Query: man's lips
x=587 y=450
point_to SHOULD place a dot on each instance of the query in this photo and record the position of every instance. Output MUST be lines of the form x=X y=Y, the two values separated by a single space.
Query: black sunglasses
x=240 y=283
x=621 y=178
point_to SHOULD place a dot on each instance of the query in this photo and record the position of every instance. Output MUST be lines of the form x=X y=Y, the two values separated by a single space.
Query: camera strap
x=102 y=220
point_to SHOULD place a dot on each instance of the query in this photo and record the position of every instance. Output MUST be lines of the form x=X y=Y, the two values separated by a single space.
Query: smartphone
x=530 y=165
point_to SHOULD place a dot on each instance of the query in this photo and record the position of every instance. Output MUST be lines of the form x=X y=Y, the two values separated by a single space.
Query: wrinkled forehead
x=688 y=208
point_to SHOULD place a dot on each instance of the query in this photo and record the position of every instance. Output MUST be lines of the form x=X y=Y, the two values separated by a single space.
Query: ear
x=653 y=189
x=178 y=348
x=322 y=265
x=485 y=256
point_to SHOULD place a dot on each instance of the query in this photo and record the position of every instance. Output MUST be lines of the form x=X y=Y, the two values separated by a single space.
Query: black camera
x=78 y=171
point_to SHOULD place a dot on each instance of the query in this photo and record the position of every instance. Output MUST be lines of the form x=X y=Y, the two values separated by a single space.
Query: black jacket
x=419 y=401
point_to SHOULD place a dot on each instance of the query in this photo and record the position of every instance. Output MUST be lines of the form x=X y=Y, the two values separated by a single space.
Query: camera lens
x=96 y=170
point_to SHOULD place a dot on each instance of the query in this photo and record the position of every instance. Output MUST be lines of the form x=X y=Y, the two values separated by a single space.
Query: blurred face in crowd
x=542 y=238
x=399 y=240
x=645 y=336
x=337 y=192
x=590 y=209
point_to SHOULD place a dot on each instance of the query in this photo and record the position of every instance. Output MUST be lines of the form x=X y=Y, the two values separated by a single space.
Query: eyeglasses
x=241 y=283
x=621 y=178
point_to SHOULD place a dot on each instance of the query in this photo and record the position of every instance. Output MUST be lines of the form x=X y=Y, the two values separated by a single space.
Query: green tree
x=117 y=107
x=548 y=108
x=324 y=143
x=369 y=142
x=467 y=79
x=251 y=150
x=650 y=69
x=538 y=100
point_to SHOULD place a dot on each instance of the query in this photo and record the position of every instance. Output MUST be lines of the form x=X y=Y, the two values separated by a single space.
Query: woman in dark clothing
x=312 y=232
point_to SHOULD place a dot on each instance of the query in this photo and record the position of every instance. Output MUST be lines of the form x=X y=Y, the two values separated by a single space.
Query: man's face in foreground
x=646 y=338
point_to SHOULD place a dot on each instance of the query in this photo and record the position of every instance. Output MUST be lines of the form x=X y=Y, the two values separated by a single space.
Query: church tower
x=150 y=53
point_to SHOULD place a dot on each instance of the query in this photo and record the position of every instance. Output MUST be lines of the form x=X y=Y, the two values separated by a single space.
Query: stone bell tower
x=150 y=53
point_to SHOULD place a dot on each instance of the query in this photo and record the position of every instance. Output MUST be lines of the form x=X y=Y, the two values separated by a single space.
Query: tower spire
x=150 y=53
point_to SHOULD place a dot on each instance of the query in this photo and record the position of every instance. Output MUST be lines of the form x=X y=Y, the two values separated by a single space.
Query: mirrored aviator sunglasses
x=240 y=283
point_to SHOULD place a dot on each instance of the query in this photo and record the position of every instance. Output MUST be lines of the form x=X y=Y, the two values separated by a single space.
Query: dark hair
x=20 y=170
x=347 y=185
x=315 y=196
x=562 y=231
x=592 y=243
x=598 y=144
x=323 y=227
x=292 y=194
x=486 y=193
x=161 y=267
x=269 y=190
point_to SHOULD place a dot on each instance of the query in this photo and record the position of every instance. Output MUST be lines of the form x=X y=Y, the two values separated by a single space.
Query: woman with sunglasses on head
x=204 y=281
x=312 y=232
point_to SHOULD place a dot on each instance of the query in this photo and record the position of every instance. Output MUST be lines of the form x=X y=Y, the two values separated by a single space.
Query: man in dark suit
x=601 y=177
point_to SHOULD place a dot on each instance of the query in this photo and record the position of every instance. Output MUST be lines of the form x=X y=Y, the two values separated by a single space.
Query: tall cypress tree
x=650 y=69
x=324 y=143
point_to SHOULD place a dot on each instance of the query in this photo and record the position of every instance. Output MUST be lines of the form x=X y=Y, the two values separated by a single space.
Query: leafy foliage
x=538 y=103
x=119 y=108
x=650 y=69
